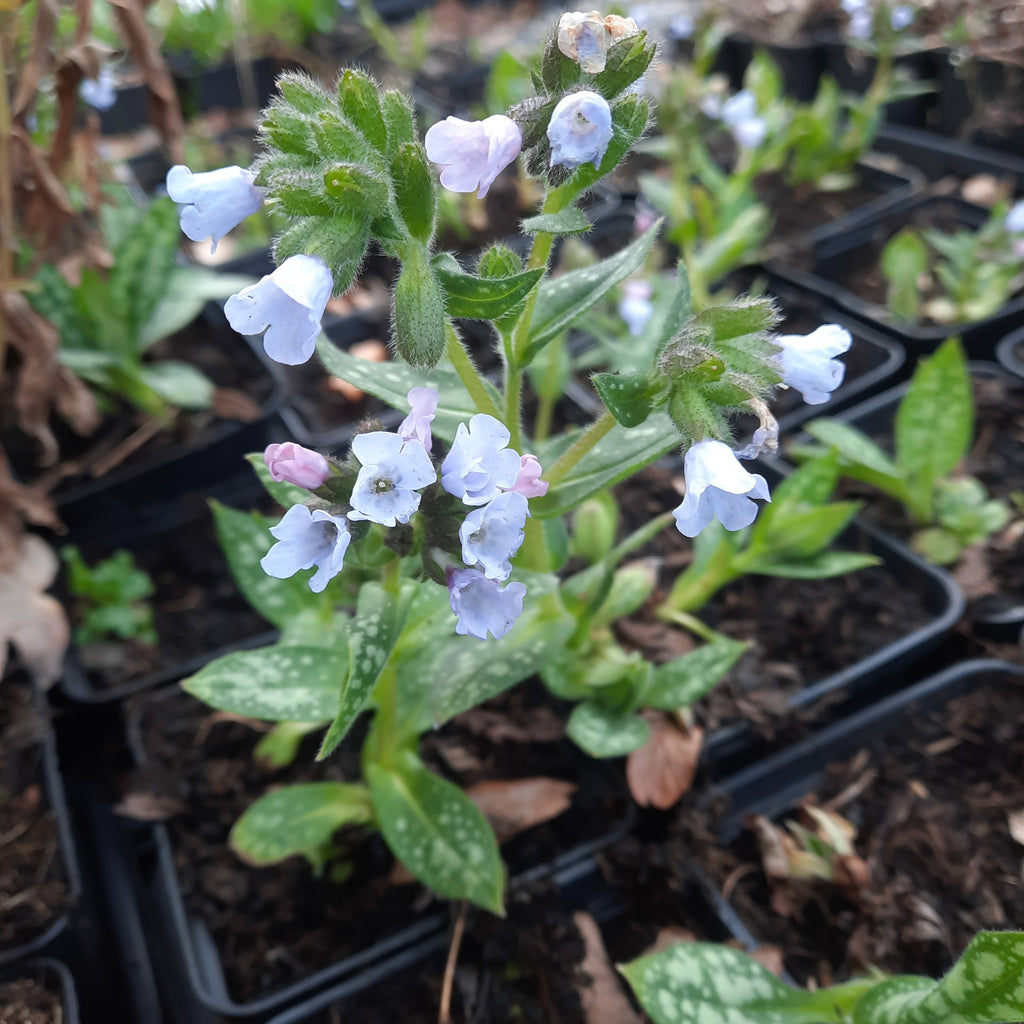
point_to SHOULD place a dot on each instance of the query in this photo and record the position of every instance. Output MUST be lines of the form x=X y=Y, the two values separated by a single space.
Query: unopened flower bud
x=293 y=464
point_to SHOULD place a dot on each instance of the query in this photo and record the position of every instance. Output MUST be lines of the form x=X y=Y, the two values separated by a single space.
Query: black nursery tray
x=49 y=974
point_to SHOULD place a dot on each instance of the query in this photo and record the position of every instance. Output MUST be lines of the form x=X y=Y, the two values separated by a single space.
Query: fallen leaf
x=769 y=957
x=148 y=807
x=1016 y=822
x=662 y=770
x=603 y=1000
x=514 y=805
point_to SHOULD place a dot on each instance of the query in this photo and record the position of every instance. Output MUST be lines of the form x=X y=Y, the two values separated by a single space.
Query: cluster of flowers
x=479 y=469
x=861 y=17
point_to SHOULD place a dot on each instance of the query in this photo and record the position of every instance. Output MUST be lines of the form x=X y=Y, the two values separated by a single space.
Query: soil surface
x=276 y=925
x=932 y=808
x=33 y=891
x=28 y=1001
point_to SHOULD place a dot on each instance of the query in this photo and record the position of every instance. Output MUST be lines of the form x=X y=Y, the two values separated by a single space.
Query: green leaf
x=604 y=733
x=245 y=538
x=299 y=819
x=904 y=259
x=683 y=681
x=186 y=290
x=371 y=637
x=859 y=456
x=482 y=298
x=561 y=301
x=415 y=191
x=279 y=747
x=276 y=684
x=570 y=221
x=938 y=545
x=985 y=986
x=437 y=832
x=627 y=396
x=399 y=119
x=184 y=386
x=360 y=103
x=699 y=981
x=817 y=567
x=800 y=532
x=285 y=494
x=627 y=60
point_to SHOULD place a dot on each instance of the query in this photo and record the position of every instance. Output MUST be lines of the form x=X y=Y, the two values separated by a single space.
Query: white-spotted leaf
x=603 y=733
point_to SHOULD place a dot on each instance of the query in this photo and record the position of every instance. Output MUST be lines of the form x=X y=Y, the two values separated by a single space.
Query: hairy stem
x=469 y=374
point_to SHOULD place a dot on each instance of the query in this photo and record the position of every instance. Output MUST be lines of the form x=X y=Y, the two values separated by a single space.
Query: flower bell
x=481 y=605
x=386 y=490
x=473 y=153
x=579 y=130
x=306 y=538
x=480 y=465
x=212 y=202
x=493 y=534
x=717 y=487
x=807 y=365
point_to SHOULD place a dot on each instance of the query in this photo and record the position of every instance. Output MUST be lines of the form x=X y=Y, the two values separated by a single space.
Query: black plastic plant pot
x=846 y=275
x=998 y=616
x=225 y=86
x=1010 y=352
x=939 y=157
x=54 y=977
x=979 y=101
x=801 y=64
x=38 y=765
x=172 y=485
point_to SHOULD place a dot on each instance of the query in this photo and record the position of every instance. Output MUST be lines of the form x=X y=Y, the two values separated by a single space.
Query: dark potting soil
x=28 y=1001
x=276 y=925
x=800 y=631
x=33 y=890
x=932 y=805
x=196 y=607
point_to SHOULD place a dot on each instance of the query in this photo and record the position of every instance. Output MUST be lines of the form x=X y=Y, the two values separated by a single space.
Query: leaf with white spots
x=684 y=680
x=437 y=832
x=985 y=986
x=275 y=684
x=603 y=733
x=372 y=636
x=299 y=819
x=245 y=538
x=701 y=983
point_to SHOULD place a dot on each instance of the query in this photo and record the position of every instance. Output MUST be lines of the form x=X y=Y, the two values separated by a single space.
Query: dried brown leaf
x=149 y=807
x=670 y=936
x=603 y=1000
x=1015 y=819
x=663 y=769
x=38 y=62
x=514 y=805
x=769 y=957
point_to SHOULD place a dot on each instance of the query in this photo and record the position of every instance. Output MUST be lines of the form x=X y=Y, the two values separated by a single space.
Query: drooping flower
x=386 y=490
x=423 y=407
x=482 y=605
x=717 y=487
x=902 y=16
x=493 y=534
x=480 y=464
x=293 y=464
x=287 y=305
x=528 y=482
x=807 y=364
x=306 y=538
x=473 y=153
x=635 y=307
x=1014 y=222
x=213 y=202
x=99 y=92
x=579 y=130
x=739 y=112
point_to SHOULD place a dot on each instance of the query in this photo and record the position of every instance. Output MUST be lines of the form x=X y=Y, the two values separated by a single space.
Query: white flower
x=579 y=130
x=473 y=153
x=479 y=464
x=386 y=490
x=287 y=305
x=306 y=538
x=1014 y=222
x=635 y=307
x=213 y=202
x=807 y=364
x=493 y=534
x=717 y=487
x=902 y=16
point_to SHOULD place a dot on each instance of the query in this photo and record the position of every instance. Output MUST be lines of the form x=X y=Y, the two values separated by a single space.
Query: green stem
x=469 y=374
x=695 y=587
x=694 y=625
x=513 y=405
x=545 y=414
x=583 y=444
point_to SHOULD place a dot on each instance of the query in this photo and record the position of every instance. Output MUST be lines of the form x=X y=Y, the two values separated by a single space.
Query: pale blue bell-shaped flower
x=579 y=130
x=483 y=606
x=287 y=305
x=1014 y=222
x=480 y=465
x=635 y=307
x=902 y=16
x=213 y=202
x=386 y=490
x=422 y=410
x=493 y=534
x=306 y=538
x=473 y=153
x=807 y=364
x=99 y=92
x=717 y=487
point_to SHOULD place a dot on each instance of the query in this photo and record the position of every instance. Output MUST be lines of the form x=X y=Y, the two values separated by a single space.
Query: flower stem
x=694 y=625
x=469 y=374
x=583 y=444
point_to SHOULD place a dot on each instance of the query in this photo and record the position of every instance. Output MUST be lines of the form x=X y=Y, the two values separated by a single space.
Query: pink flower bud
x=293 y=464
x=528 y=482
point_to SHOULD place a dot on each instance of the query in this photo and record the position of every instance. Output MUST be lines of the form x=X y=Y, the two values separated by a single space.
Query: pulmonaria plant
x=433 y=552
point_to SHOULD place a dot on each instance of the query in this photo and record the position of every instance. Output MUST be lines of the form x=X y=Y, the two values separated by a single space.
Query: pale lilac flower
x=213 y=202
x=528 y=482
x=579 y=130
x=422 y=409
x=643 y=219
x=861 y=23
x=493 y=534
x=482 y=605
x=293 y=464
x=480 y=464
x=807 y=364
x=739 y=112
x=1014 y=222
x=902 y=16
x=99 y=92
x=306 y=538
x=717 y=487
x=288 y=305
x=386 y=490
x=473 y=153
x=635 y=307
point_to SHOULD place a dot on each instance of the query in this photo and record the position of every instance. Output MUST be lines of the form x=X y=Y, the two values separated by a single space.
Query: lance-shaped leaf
x=570 y=221
x=482 y=298
x=276 y=684
x=682 y=681
x=627 y=396
x=299 y=820
x=604 y=733
x=561 y=301
x=437 y=832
